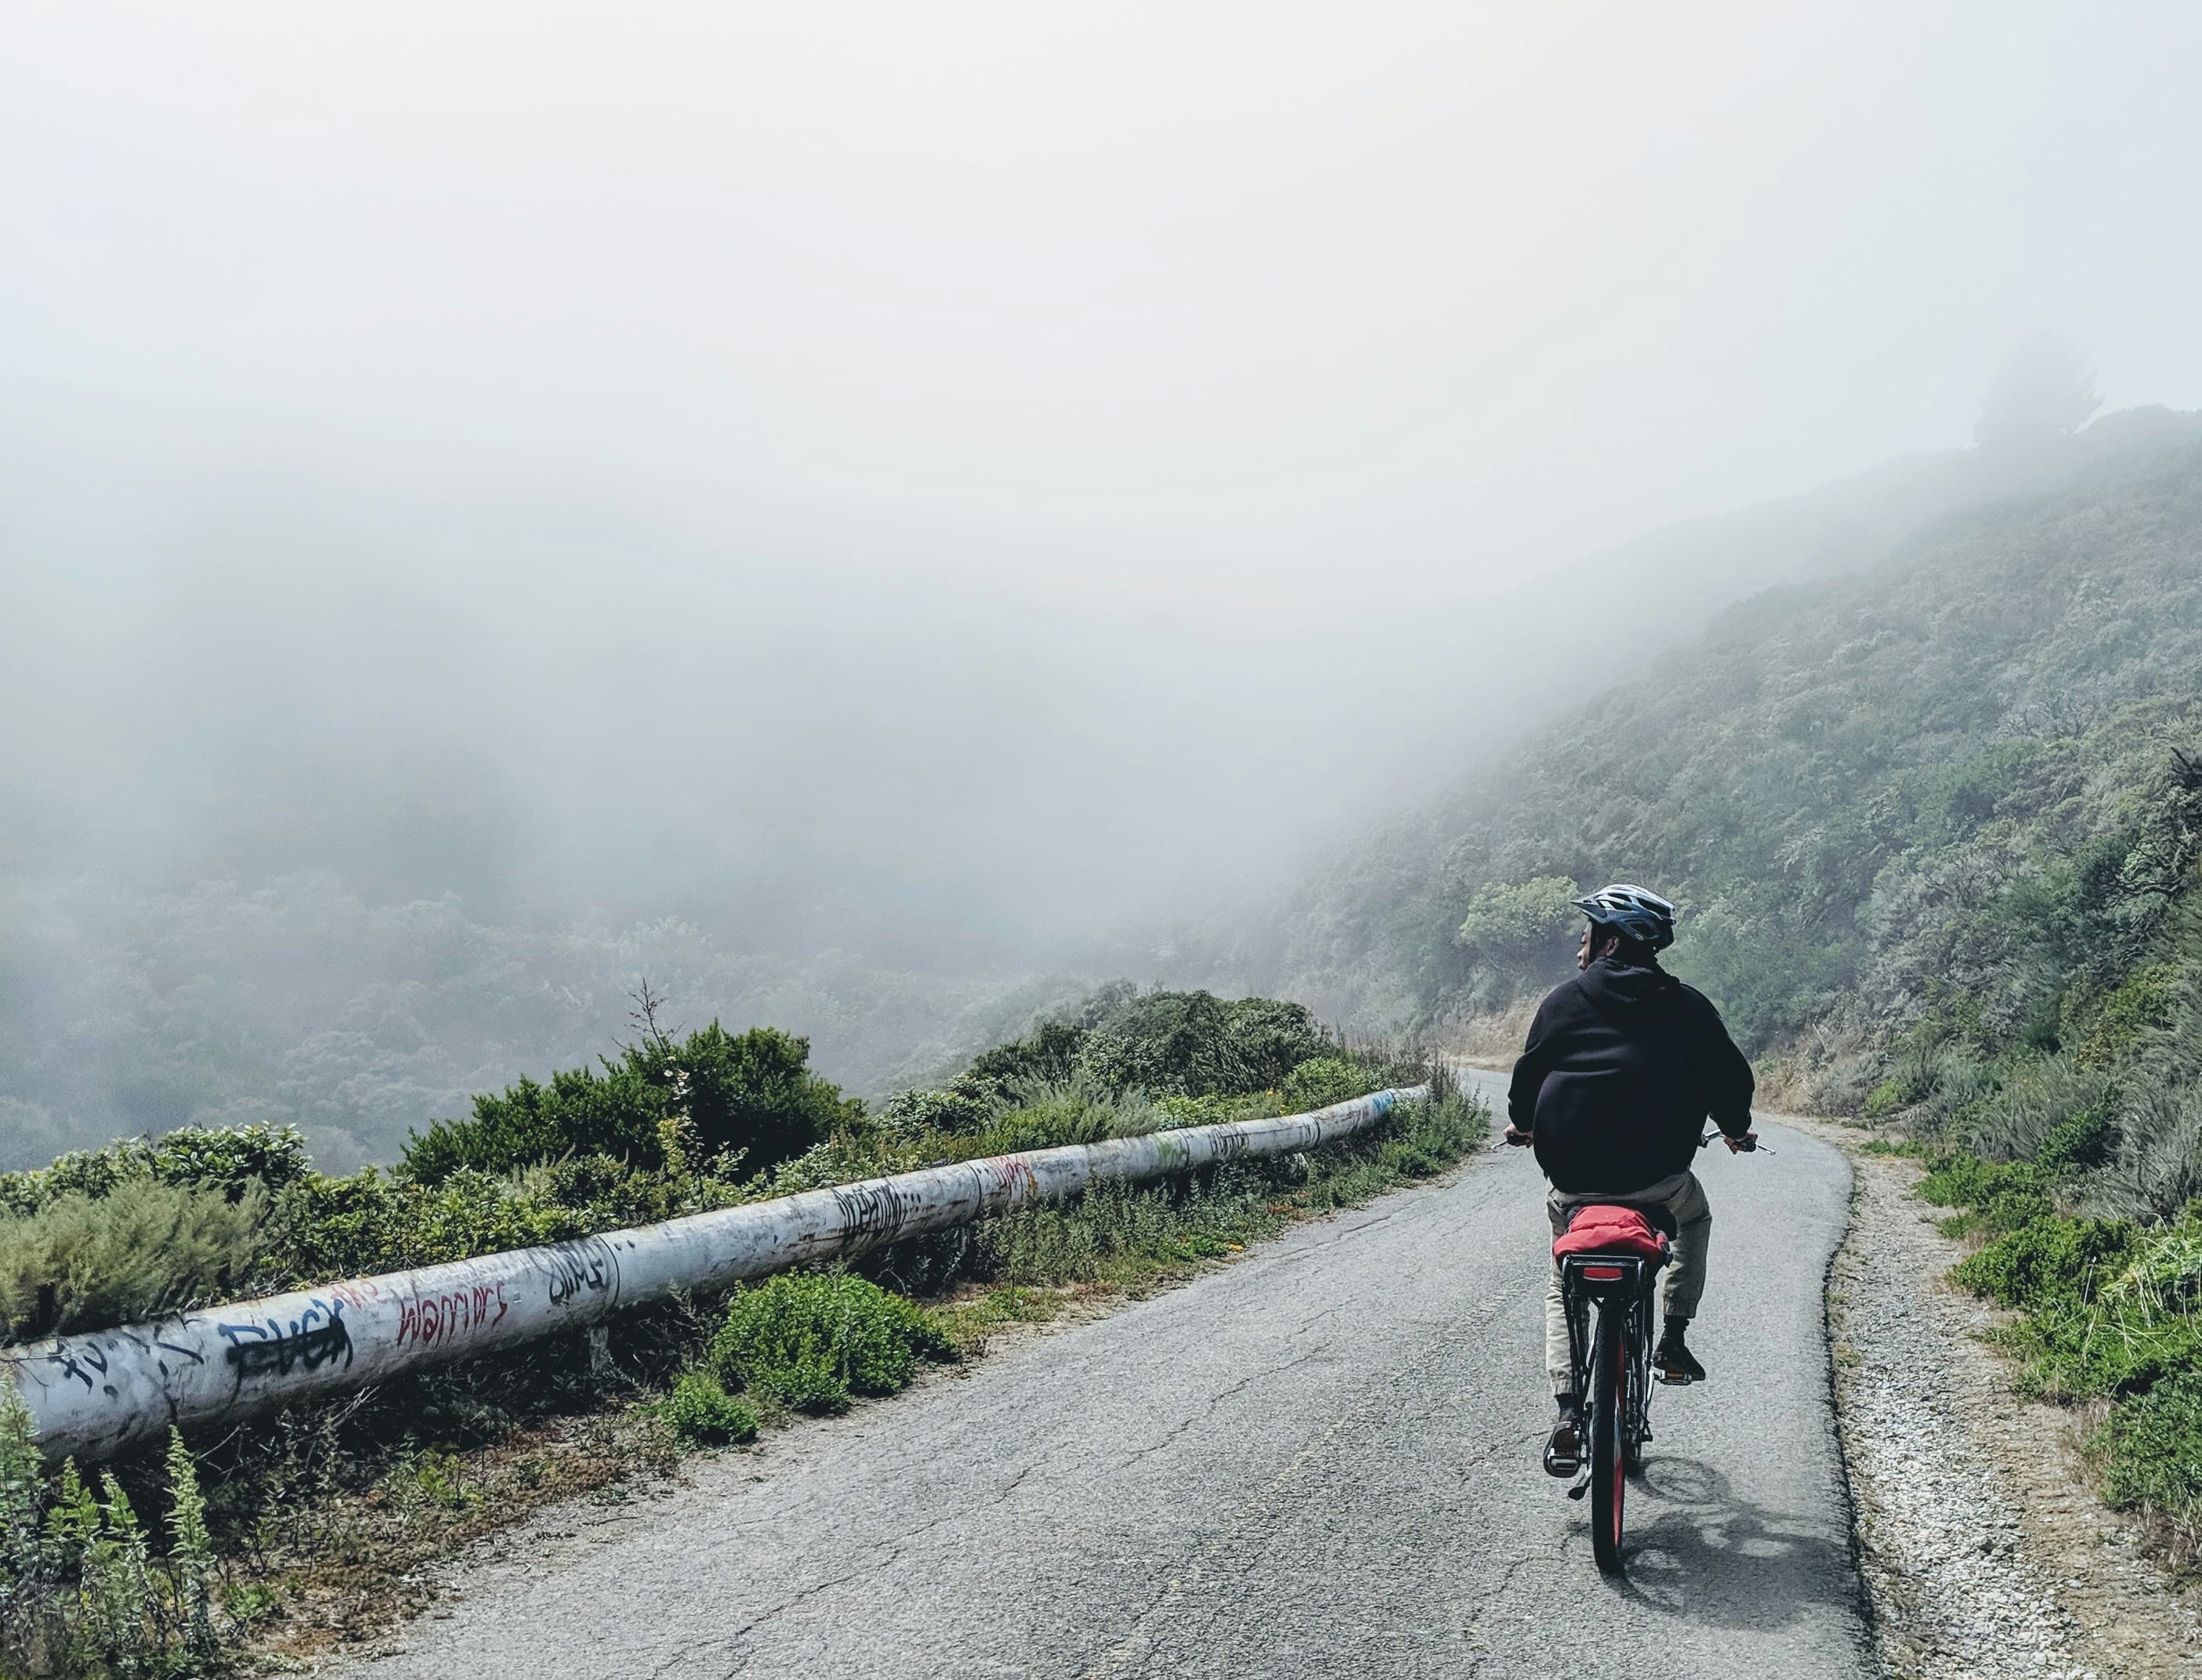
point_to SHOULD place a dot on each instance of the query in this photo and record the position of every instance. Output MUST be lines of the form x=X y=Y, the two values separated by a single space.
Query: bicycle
x=1613 y=1266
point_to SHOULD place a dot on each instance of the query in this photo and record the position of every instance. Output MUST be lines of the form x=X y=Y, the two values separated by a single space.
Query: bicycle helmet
x=1633 y=913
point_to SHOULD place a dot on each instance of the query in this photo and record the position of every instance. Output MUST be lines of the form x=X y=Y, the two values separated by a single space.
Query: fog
x=965 y=489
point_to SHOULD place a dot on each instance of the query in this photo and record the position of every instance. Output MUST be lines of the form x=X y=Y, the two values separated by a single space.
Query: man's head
x=1626 y=923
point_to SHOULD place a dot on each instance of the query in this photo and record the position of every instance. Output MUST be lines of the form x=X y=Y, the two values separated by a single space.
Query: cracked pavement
x=1321 y=1459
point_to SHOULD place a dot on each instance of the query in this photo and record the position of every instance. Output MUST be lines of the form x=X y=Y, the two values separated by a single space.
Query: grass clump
x=812 y=1342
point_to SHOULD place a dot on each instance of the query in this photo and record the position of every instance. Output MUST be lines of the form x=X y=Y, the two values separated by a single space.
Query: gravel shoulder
x=1985 y=1549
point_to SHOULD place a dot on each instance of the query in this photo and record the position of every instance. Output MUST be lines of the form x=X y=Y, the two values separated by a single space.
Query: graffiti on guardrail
x=316 y=1337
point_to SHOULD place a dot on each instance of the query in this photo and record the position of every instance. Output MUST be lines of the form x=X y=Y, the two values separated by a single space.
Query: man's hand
x=1517 y=1139
x=1740 y=1145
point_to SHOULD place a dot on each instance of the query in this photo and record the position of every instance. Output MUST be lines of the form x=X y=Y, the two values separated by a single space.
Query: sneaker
x=1674 y=1362
x=1563 y=1452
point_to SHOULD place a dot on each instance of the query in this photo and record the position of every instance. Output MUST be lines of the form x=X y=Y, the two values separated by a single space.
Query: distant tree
x=2044 y=390
x=1513 y=926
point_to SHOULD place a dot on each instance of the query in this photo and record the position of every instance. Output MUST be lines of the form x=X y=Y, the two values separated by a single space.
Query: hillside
x=1934 y=828
x=1832 y=779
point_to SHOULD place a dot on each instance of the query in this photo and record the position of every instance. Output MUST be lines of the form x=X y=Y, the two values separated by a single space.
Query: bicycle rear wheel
x=1609 y=1411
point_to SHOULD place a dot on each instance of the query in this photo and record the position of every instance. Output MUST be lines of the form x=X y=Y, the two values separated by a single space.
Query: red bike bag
x=1601 y=1228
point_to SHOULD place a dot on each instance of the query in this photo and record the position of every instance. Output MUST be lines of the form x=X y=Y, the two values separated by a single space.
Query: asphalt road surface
x=1321 y=1460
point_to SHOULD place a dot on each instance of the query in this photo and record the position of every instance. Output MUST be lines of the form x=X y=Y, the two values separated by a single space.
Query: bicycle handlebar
x=1746 y=1145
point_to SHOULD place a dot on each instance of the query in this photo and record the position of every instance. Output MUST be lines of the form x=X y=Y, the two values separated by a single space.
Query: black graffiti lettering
x=316 y=1337
x=870 y=1213
x=591 y=1265
x=73 y=1360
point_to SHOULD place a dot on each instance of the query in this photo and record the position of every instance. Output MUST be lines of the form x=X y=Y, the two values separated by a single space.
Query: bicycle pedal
x=1674 y=1380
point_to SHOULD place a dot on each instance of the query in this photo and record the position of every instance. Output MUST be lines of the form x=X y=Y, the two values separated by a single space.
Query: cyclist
x=1621 y=1065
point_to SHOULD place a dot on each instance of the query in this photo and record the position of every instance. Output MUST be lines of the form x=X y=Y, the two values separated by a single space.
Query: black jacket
x=1621 y=1067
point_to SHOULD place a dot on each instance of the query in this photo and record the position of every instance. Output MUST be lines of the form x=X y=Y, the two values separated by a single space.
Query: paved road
x=1319 y=1461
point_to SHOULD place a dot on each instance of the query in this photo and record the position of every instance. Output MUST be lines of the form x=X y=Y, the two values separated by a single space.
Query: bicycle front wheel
x=1609 y=1413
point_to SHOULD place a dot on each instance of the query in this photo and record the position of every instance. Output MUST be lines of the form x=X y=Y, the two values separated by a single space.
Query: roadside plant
x=813 y=1340
x=701 y=1411
x=191 y=1549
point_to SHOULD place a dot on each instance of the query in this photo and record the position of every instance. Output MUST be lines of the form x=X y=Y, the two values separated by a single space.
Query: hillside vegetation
x=1935 y=831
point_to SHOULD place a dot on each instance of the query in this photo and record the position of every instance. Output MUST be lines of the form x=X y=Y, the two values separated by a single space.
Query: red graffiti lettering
x=426 y=1320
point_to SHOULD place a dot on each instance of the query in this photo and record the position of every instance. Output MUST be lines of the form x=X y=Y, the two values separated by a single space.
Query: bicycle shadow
x=1696 y=1549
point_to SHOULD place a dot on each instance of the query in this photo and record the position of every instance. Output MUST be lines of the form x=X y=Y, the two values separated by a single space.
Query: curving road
x=1321 y=1460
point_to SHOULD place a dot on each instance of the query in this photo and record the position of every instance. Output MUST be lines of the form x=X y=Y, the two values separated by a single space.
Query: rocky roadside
x=1985 y=1549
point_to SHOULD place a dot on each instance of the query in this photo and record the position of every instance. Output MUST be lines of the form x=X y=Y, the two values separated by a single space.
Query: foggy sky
x=961 y=478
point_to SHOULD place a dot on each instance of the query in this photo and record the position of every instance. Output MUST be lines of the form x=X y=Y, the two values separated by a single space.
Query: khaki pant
x=1683 y=1197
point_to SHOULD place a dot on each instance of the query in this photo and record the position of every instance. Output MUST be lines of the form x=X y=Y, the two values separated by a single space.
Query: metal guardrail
x=98 y=1394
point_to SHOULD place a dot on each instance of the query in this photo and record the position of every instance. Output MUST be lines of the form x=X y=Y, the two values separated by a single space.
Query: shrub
x=701 y=1410
x=749 y=1094
x=1054 y=1051
x=750 y=1091
x=1957 y=1179
x=2151 y=1452
x=142 y=1249
x=615 y=1113
x=1046 y=1115
x=2141 y=1004
x=2049 y=1263
x=811 y=1340
x=231 y=1158
x=191 y=1560
x=916 y=1114
x=1217 y=1110
x=1320 y=1080
x=2086 y=1140
x=225 y=1157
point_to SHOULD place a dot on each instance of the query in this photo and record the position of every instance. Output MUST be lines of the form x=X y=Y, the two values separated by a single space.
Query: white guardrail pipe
x=98 y=1394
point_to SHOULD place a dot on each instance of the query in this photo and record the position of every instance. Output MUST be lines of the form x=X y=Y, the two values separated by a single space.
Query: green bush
x=2138 y=1006
x=1218 y=1111
x=1048 y=1114
x=144 y=1249
x=914 y=1114
x=2049 y=1263
x=1885 y=1099
x=580 y=1112
x=2086 y=1139
x=700 y=1410
x=1165 y=1044
x=1957 y=1179
x=811 y=1340
x=2151 y=1452
x=225 y=1157
x=748 y=1096
x=1320 y=1080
